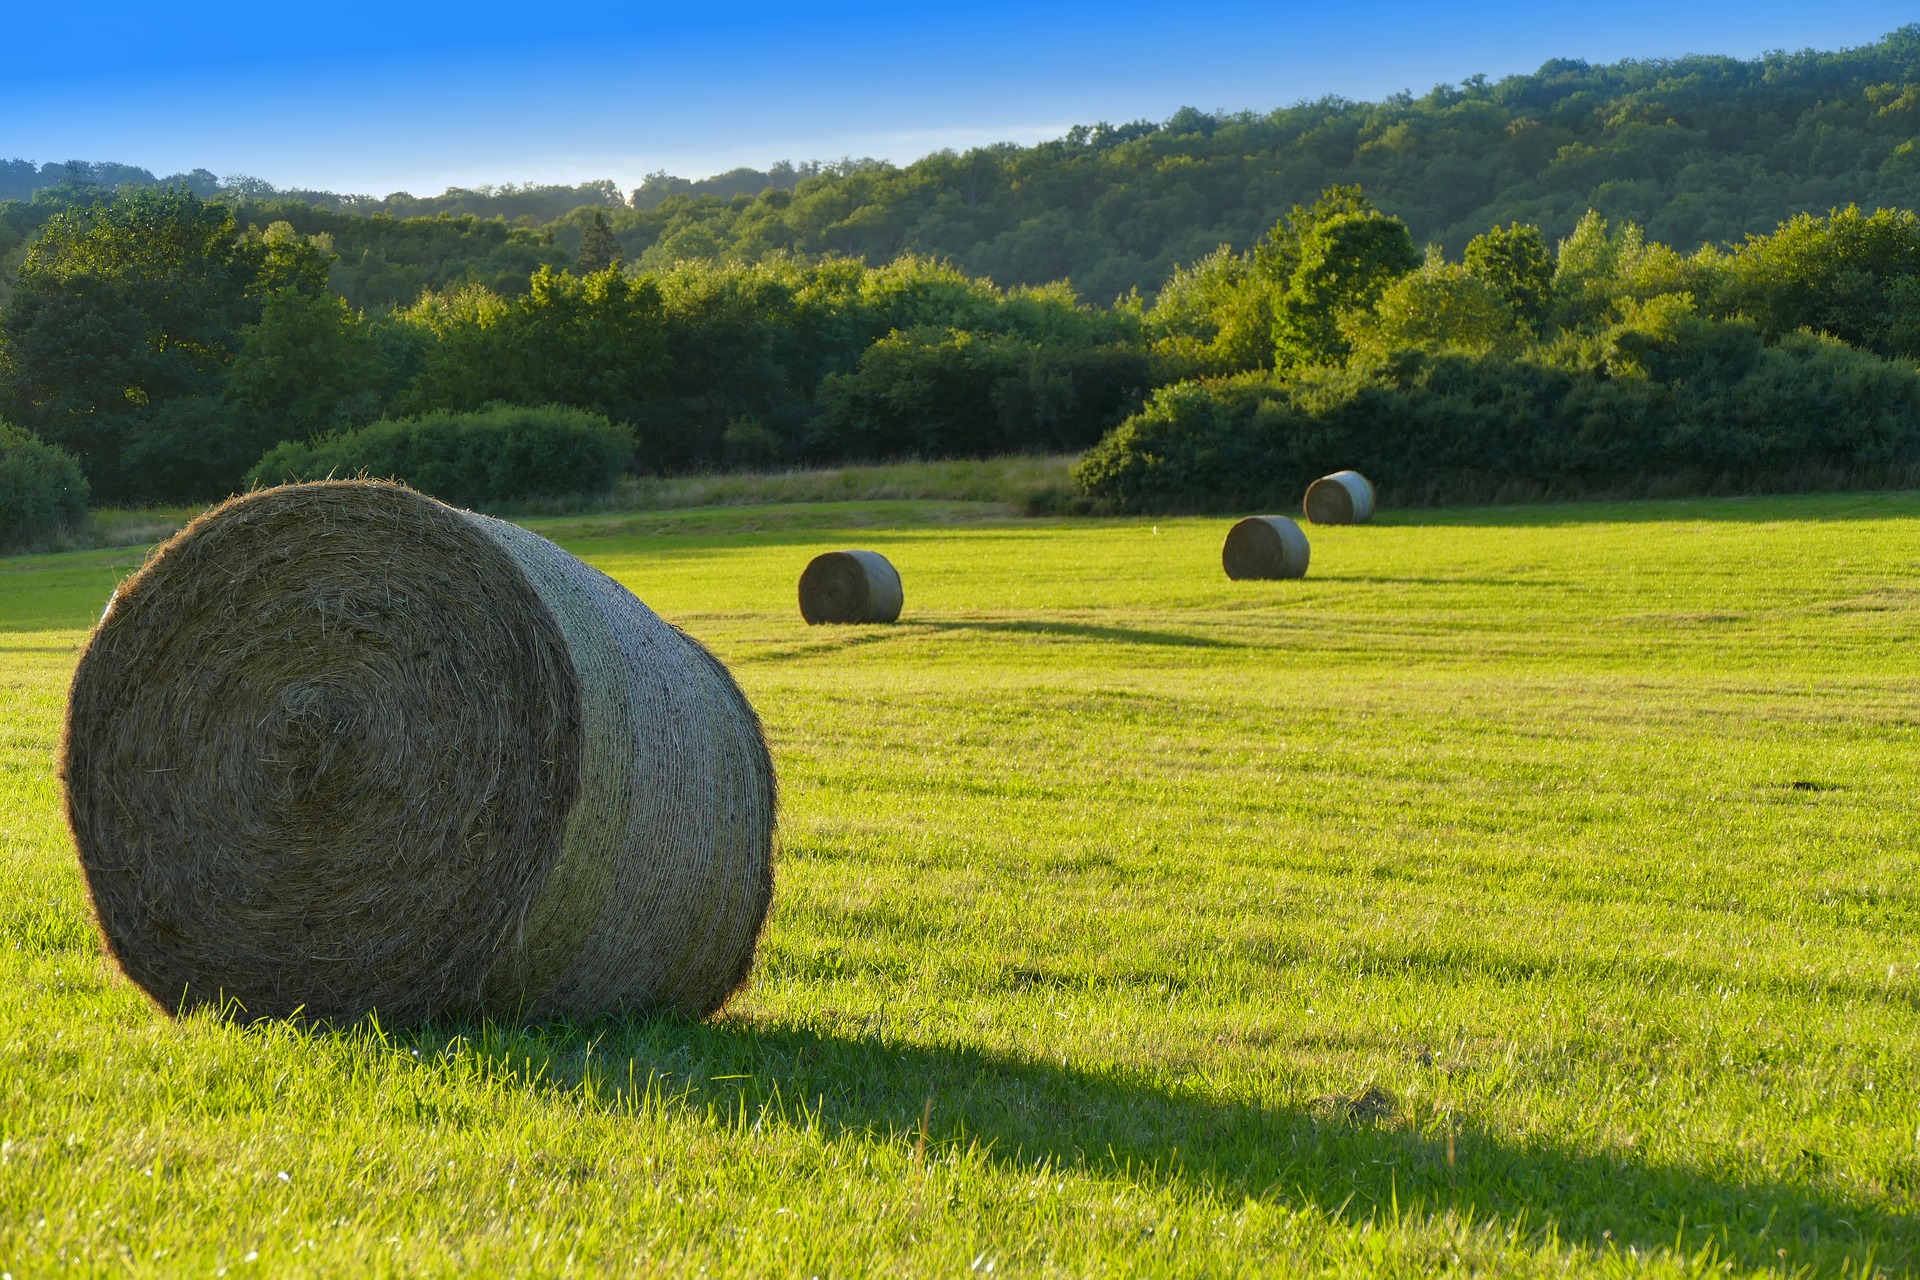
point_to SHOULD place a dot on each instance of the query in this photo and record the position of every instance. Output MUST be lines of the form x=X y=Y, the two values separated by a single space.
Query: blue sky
x=373 y=98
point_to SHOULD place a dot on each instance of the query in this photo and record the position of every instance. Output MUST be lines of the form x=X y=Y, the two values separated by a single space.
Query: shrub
x=42 y=492
x=1198 y=446
x=189 y=449
x=952 y=394
x=594 y=342
x=1440 y=305
x=749 y=446
x=1664 y=397
x=502 y=453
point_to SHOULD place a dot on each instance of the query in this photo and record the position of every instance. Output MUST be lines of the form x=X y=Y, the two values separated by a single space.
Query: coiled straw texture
x=1265 y=547
x=850 y=586
x=340 y=749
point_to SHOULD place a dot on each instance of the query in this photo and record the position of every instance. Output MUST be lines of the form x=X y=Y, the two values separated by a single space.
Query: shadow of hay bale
x=1353 y=1158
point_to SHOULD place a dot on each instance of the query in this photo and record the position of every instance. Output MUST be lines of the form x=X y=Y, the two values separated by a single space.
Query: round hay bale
x=1265 y=547
x=1345 y=497
x=339 y=748
x=850 y=586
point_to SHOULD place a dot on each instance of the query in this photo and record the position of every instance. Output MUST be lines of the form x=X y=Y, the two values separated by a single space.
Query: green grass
x=1527 y=891
x=1014 y=483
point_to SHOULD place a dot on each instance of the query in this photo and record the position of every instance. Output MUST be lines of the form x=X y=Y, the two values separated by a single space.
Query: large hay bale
x=339 y=748
x=850 y=586
x=1345 y=497
x=1265 y=547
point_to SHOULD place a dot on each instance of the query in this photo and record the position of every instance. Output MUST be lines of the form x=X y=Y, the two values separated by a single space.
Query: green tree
x=1599 y=273
x=592 y=342
x=1279 y=254
x=1214 y=316
x=1219 y=315
x=289 y=260
x=1850 y=274
x=598 y=247
x=122 y=306
x=1344 y=263
x=308 y=366
x=1514 y=262
x=1441 y=305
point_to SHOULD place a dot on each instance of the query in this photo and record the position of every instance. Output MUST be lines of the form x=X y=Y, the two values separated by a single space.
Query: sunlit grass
x=1526 y=891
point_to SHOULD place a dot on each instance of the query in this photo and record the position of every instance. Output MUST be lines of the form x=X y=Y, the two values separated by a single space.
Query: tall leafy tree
x=598 y=247
x=1278 y=254
x=1851 y=274
x=1344 y=264
x=1220 y=314
x=1513 y=261
x=1215 y=316
x=308 y=366
x=123 y=306
x=1443 y=305
x=592 y=342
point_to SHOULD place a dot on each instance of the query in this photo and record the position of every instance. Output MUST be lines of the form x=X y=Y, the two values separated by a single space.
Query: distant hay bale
x=850 y=586
x=1345 y=497
x=1265 y=547
x=339 y=748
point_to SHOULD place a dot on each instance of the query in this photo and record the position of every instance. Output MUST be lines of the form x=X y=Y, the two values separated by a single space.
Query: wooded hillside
x=1700 y=149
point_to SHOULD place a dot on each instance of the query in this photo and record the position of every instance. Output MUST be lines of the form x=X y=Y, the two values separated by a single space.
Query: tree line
x=1698 y=149
x=167 y=348
x=168 y=343
x=1693 y=150
x=170 y=350
x=1606 y=362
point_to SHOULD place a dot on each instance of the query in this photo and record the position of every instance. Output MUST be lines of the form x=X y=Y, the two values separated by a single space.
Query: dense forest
x=169 y=351
x=1455 y=327
x=1693 y=150
x=167 y=348
x=1607 y=363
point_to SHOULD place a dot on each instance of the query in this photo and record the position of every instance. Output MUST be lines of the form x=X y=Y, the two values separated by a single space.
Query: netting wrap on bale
x=339 y=748
x=1265 y=547
x=1345 y=497
x=850 y=586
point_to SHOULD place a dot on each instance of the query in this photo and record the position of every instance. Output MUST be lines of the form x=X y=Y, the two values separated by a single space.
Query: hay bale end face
x=341 y=749
x=1345 y=497
x=1265 y=547
x=850 y=586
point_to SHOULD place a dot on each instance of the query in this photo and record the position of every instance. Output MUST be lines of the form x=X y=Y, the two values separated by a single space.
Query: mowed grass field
x=1529 y=891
